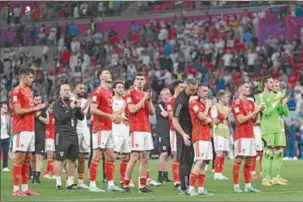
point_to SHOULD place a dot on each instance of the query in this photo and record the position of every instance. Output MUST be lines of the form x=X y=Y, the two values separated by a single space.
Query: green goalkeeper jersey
x=270 y=120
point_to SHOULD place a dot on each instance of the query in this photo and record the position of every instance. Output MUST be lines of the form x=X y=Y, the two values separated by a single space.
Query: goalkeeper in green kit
x=274 y=139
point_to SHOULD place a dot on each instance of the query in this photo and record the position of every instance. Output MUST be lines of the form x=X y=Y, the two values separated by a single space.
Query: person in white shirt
x=251 y=59
x=75 y=47
x=83 y=132
x=227 y=60
x=5 y=135
x=120 y=131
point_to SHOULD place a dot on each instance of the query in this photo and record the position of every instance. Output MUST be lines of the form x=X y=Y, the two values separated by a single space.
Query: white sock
x=80 y=182
x=253 y=172
x=24 y=187
x=218 y=174
x=92 y=184
x=236 y=185
x=201 y=189
x=247 y=185
x=206 y=167
x=110 y=183
x=70 y=180
x=58 y=181
x=191 y=188
x=16 y=188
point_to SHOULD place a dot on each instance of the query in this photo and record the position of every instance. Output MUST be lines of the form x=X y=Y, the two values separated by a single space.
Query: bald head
x=65 y=91
x=165 y=94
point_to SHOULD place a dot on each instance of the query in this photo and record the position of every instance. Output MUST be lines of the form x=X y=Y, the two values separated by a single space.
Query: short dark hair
x=52 y=100
x=102 y=70
x=37 y=94
x=176 y=83
x=221 y=93
x=128 y=84
x=26 y=71
x=266 y=78
x=140 y=74
x=78 y=83
x=241 y=84
x=116 y=83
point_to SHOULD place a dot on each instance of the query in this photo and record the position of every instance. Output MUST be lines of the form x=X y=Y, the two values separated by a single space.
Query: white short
x=245 y=147
x=103 y=140
x=24 y=141
x=141 y=141
x=173 y=140
x=258 y=138
x=49 y=145
x=221 y=143
x=120 y=129
x=122 y=144
x=203 y=150
x=83 y=146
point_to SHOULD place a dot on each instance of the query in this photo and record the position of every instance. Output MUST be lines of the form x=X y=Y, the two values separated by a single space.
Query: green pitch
x=292 y=170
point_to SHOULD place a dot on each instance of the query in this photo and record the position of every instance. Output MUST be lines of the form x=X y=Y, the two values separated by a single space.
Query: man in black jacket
x=162 y=130
x=66 y=140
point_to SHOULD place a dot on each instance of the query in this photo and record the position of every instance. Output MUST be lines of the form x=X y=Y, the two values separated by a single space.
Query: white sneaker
x=220 y=177
x=47 y=176
x=213 y=170
x=82 y=186
x=152 y=182
x=192 y=192
x=113 y=188
x=224 y=178
x=53 y=177
x=295 y=158
x=131 y=184
x=6 y=169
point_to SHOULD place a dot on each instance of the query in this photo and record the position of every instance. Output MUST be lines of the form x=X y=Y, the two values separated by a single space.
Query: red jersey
x=138 y=121
x=169 y=105
x=200 y=130
x=103 y=98
x=244 y=107
x=24 y=97
x=50 y=127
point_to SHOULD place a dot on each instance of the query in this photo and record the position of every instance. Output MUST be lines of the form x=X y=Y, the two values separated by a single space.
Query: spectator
x=17 y=14
x=73 y=30
x=5 y=135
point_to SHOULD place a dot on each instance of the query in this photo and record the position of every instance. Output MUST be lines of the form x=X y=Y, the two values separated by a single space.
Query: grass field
x=292 y=170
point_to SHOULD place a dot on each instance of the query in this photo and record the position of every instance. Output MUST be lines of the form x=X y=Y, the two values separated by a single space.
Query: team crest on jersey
x=196 y=108
x=61 y=153
x=94 y=99
x=164 y=148
x=15 y=98
x=136 y=145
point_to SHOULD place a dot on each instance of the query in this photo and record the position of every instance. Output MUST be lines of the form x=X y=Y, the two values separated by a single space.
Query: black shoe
x=59 y=187
x=145 y=190
x=167 y=180
x=126 y=189
x=160 y=179
x=73 y=186
x=36 y=181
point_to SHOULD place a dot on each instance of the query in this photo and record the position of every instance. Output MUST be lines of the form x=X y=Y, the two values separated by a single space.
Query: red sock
x=51 y=167
x=246 y=172
x=192 y=179
x=123 y=165
x=93 y=168
x=147 y=174
x=222 y=164
x=16 y=171
x=109 y=170
x=254 y=159
x=201 y=179
x=47 y=167
x=24 y=173
x=218 y=164
x=142 y=181
x=260 y=160
x=126 y=182
x=235 y=170
x=175 y=169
